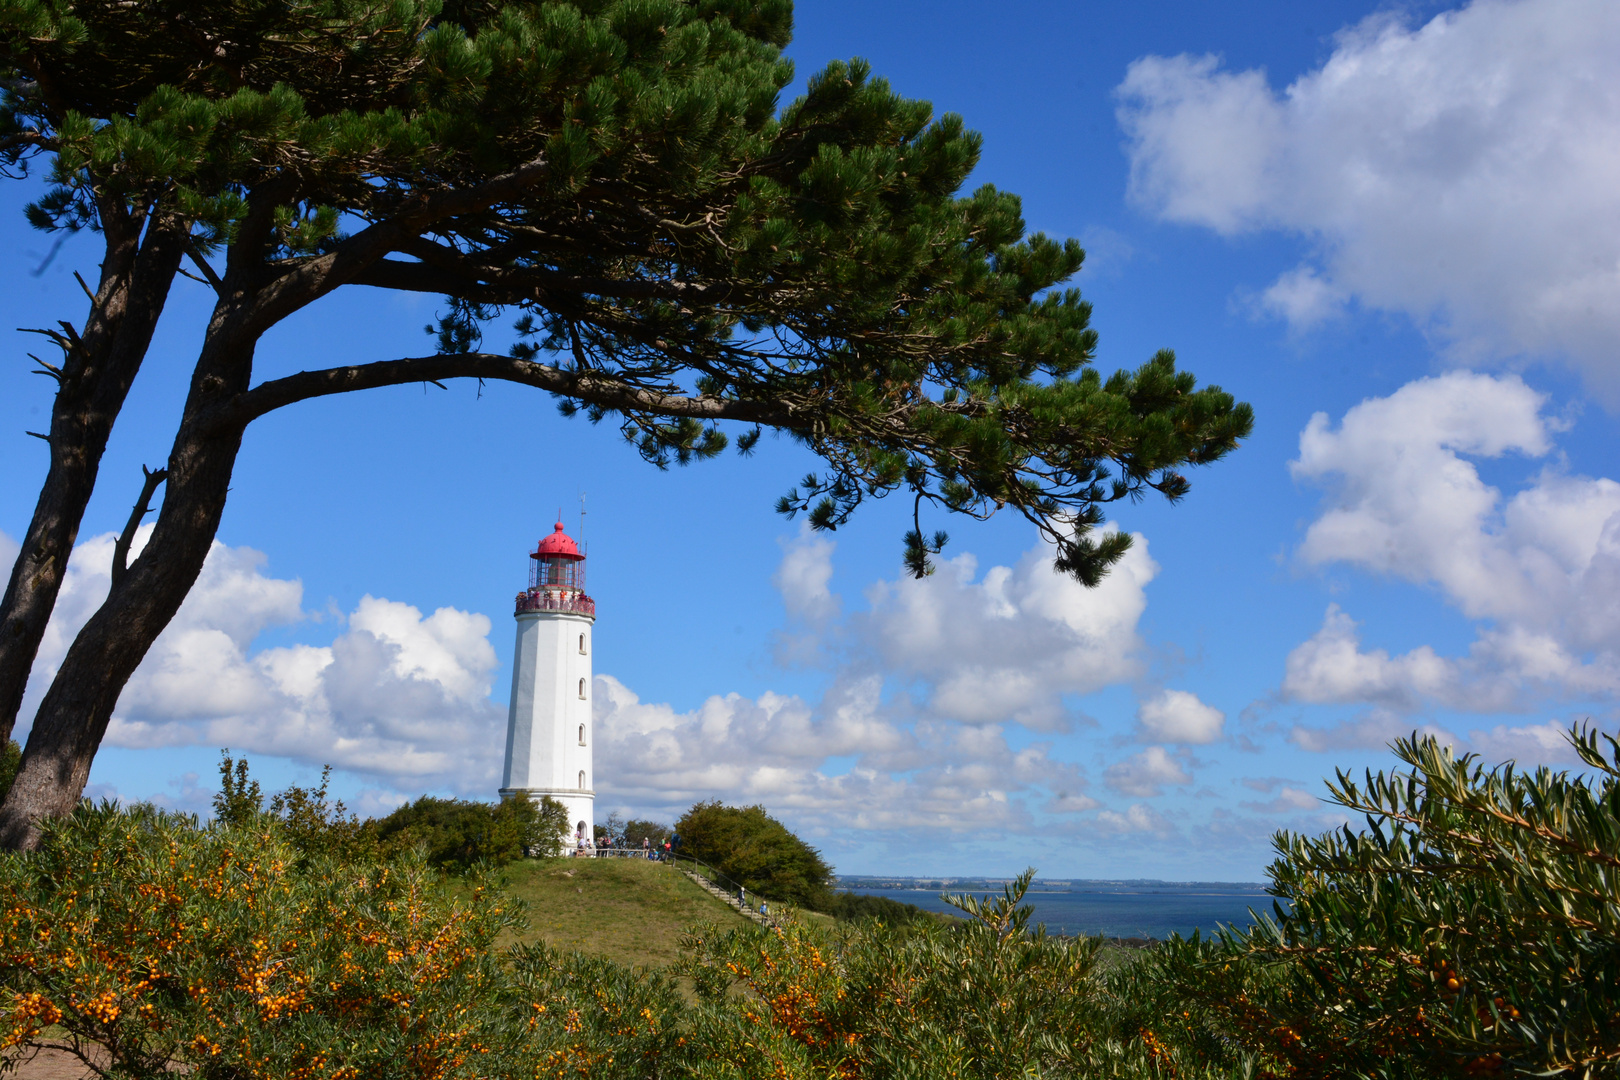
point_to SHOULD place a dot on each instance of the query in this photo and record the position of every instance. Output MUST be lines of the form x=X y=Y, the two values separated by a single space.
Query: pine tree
x=679 y=253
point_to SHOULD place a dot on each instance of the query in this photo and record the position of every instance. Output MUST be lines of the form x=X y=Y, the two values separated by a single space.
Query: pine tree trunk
x=96 y=376
x=74 y=714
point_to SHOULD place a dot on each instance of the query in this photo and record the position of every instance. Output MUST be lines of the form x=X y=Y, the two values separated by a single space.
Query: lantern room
x=557 y=563
x=556 y=576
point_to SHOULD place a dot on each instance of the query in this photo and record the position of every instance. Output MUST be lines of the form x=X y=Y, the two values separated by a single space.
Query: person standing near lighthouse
x=548 y=728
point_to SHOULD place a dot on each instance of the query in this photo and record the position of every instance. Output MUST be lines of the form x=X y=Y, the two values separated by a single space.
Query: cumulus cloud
x=1370 y=730
x=1539 y=570
x=803 y=576
x=1332 y=668
x=1009 y=646
x=1546 y=743
x=1176 y=716
x=1288 y=800
x=1145 y=775
x=397 y=696
x=1460 y=172
x=908 y=774
x=1136 y=818
x=1533 y=744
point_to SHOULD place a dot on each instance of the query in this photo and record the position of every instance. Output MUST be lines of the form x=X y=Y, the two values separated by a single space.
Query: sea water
x=1151 y=909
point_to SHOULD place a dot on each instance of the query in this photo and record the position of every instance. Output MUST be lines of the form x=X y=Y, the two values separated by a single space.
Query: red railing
x=578 y=603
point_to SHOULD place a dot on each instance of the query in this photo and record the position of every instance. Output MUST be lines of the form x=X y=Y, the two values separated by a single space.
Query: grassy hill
x=627 y=910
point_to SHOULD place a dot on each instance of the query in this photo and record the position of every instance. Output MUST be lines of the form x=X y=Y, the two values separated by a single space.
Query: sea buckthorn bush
x=1468 y=928
x=222 y=947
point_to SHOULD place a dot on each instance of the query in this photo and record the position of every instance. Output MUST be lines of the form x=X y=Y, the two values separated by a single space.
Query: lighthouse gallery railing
x=578 y=603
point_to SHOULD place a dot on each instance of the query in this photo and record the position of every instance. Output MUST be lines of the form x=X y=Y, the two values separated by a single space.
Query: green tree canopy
x=677 y=252
x=458 y=834
x=757 y=851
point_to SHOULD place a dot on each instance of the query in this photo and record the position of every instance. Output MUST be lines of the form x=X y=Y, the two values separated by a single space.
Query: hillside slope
x=627 y=910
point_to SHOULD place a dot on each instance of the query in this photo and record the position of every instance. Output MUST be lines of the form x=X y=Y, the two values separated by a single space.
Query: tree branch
x=27 y=138
x=319 y=276
x=476 y=280
x=143 y=506
x=588 y=386
x=420 y=277
x=208 y=271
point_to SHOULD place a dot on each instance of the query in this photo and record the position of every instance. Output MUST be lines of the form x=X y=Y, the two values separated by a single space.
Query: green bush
x=849 y=907
x=757 y=851
x=458 y=834
x=654 y=832
x=455 y=835
x=1472 y=928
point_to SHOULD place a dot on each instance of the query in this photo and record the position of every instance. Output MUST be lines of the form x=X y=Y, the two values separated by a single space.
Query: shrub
x=458 y=834
x=849 y=907
x=227 y=949
x=983 y=999
x=1472 y=929
x=1469 y=930
x=754 y=849
x=637 y=830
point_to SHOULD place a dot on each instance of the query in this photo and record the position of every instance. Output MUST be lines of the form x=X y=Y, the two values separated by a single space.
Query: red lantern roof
x=557 y=546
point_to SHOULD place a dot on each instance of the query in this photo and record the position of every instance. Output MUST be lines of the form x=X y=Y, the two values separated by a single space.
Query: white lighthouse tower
x=548 y=730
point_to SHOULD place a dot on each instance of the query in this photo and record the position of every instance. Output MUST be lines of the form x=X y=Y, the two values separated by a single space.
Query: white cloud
x=1540 y=570
x=1331 y=668
x=1176 y=716
x=397 y=696
x=1528 y=744
x=1541 y=743
x=1011 y=645
x=1303 y=298
x=1136 y=819
x=1288 y=800
x=1461 y=172
x=1145 y=775
x=908 y=774
x=803 y=575
x=924 y=687
x=1373 y=729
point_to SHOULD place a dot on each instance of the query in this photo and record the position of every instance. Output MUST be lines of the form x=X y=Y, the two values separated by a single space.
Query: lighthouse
x=548 y=727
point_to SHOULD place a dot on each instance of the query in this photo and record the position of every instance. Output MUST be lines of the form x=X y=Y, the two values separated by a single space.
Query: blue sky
x=1392 y=229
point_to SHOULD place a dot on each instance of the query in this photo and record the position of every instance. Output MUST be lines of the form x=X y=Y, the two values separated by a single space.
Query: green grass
x=627 y=910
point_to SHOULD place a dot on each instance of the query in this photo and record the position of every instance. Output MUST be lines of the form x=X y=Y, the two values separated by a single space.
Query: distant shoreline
x=923 y=883
x=1130 y=911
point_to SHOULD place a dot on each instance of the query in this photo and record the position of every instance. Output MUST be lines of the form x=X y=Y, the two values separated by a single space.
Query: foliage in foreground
x=1469 y=930
x=1472 y=929
x=228 y=949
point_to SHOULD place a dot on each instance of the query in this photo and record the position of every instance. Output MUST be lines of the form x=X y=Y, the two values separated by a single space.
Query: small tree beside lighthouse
x=548 y=728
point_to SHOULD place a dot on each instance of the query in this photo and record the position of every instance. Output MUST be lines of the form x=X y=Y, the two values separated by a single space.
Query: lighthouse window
x=582 y=643
x=582 y=734
x=582 y=779
x=582 y=688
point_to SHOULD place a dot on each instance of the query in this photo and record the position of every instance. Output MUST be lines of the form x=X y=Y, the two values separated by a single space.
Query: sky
x=1395 y=230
